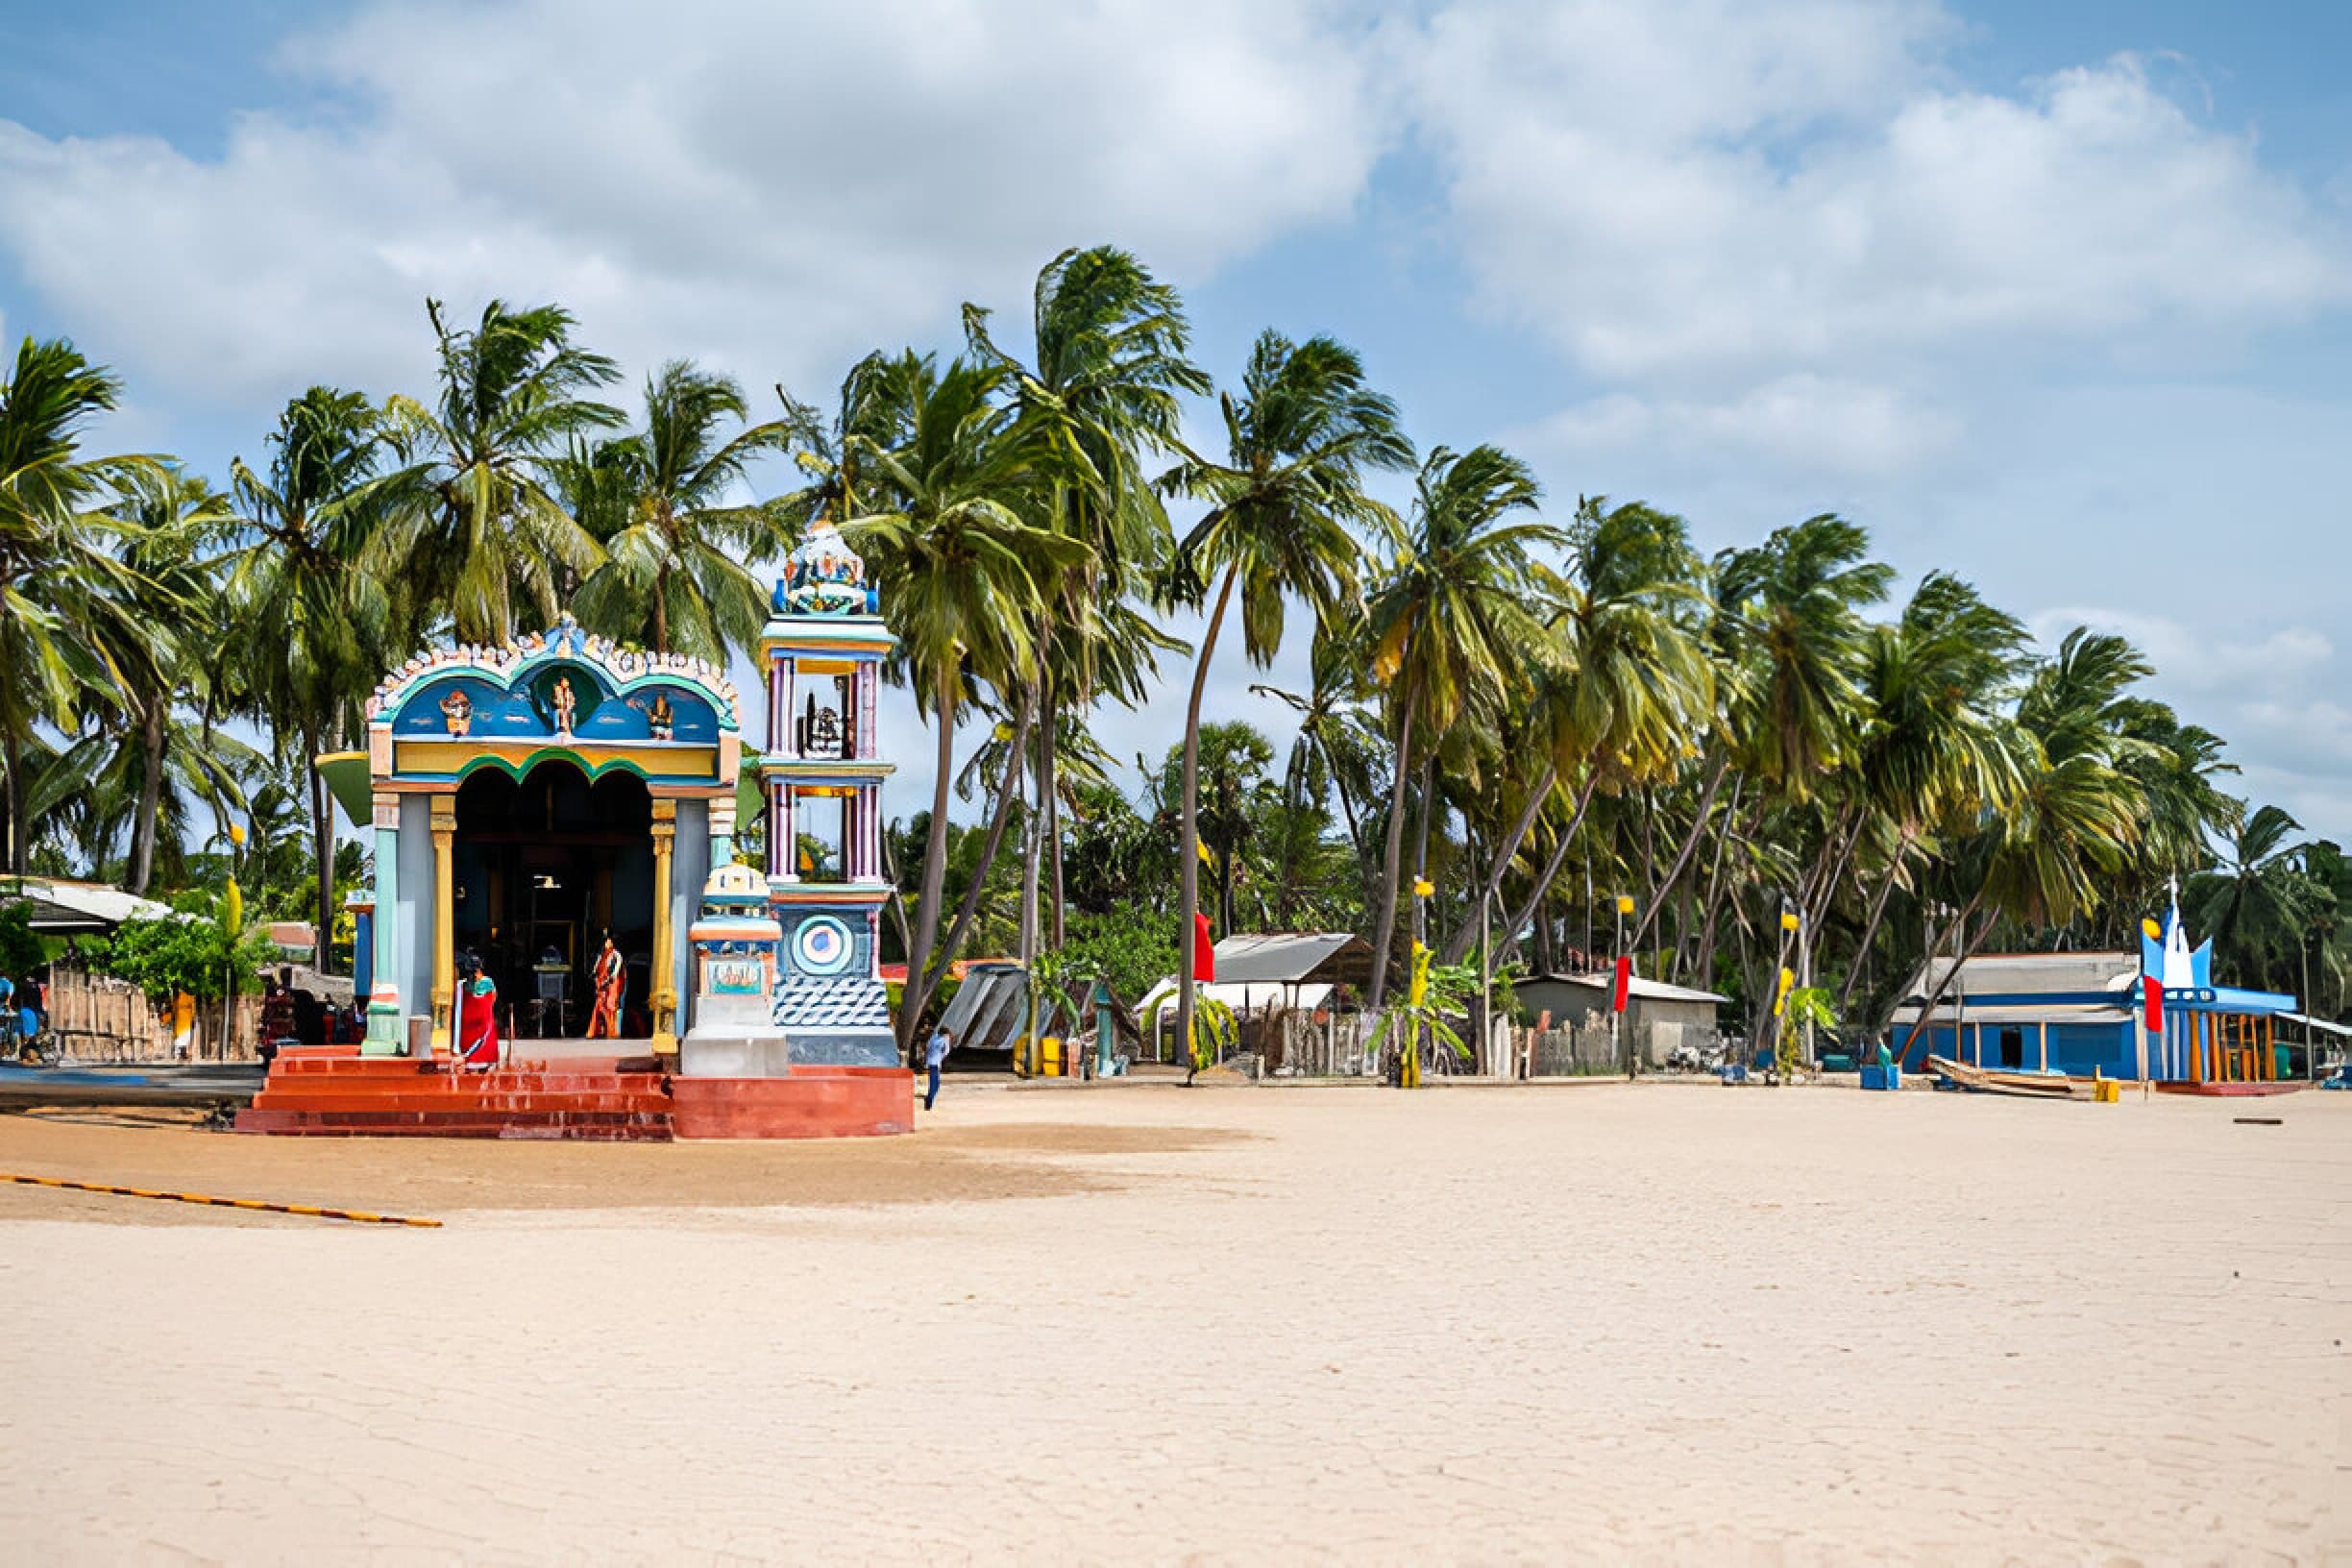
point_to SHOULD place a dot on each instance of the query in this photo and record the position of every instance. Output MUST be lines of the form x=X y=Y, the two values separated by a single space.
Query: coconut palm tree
x=1111 y=345
x=1282 y=507
x=1455 y=621
x=171 y=527
x=950 y=522
x=1626 y=686
x=481 y=535
x=662 y=505
x=319 y=624
x=2259 y=906
x=2043 y=858
x=1793 y=607
x=1936 y=751
x=57 y=575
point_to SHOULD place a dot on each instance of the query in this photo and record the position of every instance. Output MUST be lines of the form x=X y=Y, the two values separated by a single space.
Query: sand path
x=1264 y=1325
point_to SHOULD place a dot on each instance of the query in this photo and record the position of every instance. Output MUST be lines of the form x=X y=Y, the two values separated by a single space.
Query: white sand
x=1675 y=1323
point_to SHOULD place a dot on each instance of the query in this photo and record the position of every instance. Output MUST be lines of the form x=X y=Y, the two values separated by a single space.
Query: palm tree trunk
x=1682 y=856
x=1936 y=993
x=1225 y=887
x=1383 y=926
x=1187 y=848
x=1705 y=965
x=661 y=615
x=151 y=794
x=917 y=993
x=1559 y=855
x=1347 y=803
x=1870 y=926
x=1033 y=847
x=1000 y=815
x=18 y=847
x=1503 y=854
x=1050 y=801
x=323 y=843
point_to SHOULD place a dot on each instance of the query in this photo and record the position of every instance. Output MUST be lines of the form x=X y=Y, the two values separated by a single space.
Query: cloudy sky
x=2060 y=304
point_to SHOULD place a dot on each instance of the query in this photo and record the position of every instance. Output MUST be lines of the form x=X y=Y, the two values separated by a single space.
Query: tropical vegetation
x=1783 y=754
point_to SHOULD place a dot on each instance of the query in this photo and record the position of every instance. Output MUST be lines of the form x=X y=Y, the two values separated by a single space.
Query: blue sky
x=2057 y=298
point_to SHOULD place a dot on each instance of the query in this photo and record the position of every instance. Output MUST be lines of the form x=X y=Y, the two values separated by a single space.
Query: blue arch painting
x=599 y=715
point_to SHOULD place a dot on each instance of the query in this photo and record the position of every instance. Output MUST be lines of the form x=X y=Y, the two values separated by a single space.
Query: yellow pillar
x=665 y=967
x=445 y=919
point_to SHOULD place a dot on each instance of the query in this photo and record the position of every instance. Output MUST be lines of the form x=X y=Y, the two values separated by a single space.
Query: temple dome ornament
x=825 y=576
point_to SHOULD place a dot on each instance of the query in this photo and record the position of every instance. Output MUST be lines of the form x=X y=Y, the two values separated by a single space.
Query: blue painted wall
x=2078 y=1049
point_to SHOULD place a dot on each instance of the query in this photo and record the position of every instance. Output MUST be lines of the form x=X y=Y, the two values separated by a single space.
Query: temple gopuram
x=563 y=940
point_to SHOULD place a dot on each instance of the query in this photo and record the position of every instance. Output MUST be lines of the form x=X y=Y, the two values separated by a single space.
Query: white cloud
x=1803 y=423
x=2198 y=658
x=768 y=190
x=1629 y=179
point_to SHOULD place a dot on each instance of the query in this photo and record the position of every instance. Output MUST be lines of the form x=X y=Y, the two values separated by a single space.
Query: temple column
x=723 y=831
x=787 y=737
x=665 y=963
x=445 y=919
x=785 y=852
x=382 y=1000
x=862 y=695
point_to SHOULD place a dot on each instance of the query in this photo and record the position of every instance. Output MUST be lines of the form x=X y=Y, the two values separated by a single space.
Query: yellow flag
x=1788 y=978
x=1202 y=849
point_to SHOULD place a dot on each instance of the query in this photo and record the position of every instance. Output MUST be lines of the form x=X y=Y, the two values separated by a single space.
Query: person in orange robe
x=608 y=977
x=478 y=1035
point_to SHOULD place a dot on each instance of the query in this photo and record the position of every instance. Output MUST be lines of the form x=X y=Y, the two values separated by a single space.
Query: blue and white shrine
x=821 y=775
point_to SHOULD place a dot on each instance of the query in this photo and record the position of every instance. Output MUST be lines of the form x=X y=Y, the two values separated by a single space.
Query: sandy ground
x=1144 y=1324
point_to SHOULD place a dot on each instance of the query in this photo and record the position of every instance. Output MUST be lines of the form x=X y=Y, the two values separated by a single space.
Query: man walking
x=942 y=1042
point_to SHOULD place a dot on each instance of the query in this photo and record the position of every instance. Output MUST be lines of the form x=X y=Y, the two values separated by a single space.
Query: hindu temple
x=566 y=938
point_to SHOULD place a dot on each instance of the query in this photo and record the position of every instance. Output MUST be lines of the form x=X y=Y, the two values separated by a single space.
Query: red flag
x=2151 y=995
x=1204 y=949
x=1625 y=983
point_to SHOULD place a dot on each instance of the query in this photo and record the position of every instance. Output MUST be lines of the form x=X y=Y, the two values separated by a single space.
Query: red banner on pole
x=2152 y=996
x=1625 y=983
x=1204 y=950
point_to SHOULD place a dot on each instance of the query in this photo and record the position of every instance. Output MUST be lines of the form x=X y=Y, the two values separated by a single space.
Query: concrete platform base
x=813 y=1102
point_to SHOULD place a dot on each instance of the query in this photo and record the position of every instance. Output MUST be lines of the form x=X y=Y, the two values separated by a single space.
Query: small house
x=1659 y=1017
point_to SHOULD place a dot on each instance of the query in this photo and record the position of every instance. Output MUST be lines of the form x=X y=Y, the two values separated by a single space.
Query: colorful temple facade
x=532 y=802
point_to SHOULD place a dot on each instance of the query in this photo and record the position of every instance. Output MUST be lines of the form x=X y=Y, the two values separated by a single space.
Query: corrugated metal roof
x=1655 y=991
x=2031 y=974
x=991 y=1009
x=1285 y=957
x=63 y=907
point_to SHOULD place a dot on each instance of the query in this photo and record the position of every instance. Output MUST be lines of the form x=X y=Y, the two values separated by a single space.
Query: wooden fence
x=97 y=1017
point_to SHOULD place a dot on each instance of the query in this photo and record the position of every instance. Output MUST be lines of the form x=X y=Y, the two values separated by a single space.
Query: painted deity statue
x=457 y=712
x=565 y=706
x=661 y=718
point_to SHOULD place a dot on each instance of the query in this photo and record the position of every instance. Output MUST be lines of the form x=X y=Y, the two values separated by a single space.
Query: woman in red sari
x=608 y=977
x=478 y=1035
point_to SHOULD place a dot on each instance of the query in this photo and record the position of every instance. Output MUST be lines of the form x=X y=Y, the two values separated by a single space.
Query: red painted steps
x=600 y=1126
x=330 y=1092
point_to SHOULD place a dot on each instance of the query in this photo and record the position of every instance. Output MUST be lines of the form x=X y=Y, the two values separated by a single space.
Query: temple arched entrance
x=545 y=866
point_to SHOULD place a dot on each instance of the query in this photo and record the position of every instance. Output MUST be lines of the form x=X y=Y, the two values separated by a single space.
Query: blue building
x=2087 y=1014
